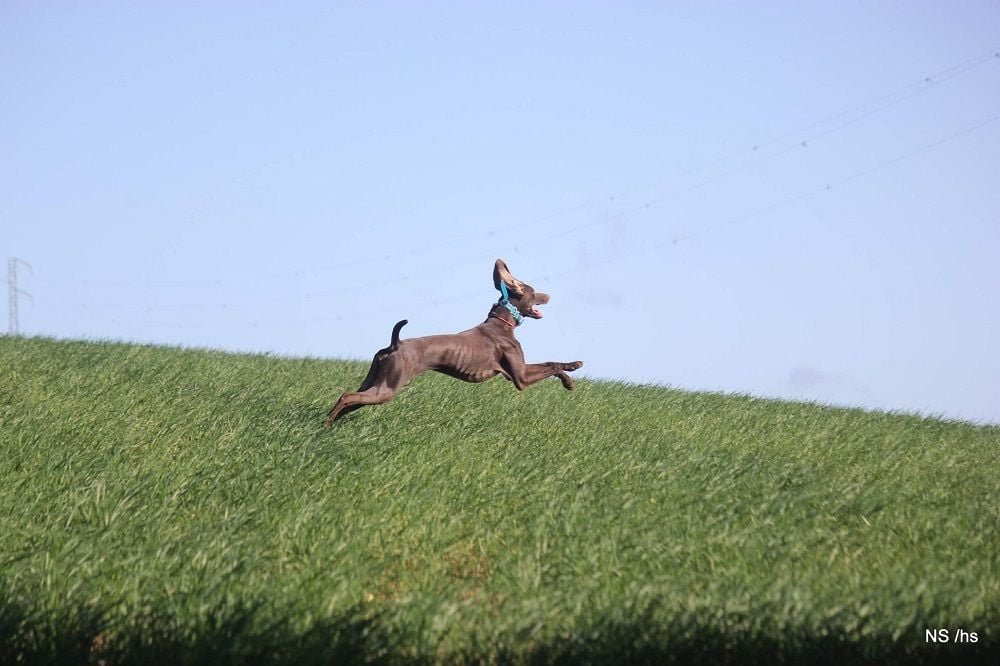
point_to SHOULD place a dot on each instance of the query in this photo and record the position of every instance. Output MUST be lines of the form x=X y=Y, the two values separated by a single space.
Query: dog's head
x=522 y=296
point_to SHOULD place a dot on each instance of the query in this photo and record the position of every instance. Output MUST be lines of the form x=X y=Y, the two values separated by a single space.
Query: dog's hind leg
x=388 y=374
x=348 y=402
x=374 y=370
x=369 y=381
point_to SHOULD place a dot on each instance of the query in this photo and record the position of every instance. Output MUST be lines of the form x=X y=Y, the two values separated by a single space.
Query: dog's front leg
x=525 y=374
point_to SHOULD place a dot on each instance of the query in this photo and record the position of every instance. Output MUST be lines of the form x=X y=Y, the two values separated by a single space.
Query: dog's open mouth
x=535 y=312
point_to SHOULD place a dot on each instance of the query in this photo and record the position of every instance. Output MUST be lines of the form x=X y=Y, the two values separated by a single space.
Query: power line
x=255 y=323
x=928 y=81
x=415 y=276
x=854 y=114
x=791 y=200
x=648 y=247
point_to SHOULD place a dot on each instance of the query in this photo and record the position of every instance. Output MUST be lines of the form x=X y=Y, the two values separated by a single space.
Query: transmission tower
x=13 y=293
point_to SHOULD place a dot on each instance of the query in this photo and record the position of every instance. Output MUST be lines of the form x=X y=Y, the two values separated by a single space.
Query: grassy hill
x=161 y=506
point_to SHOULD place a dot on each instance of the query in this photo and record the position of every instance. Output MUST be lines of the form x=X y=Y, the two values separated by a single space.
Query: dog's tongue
x=536 y=312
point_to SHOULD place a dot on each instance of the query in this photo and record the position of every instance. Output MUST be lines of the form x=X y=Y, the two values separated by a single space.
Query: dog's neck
x=505 y=303
x=499 y=311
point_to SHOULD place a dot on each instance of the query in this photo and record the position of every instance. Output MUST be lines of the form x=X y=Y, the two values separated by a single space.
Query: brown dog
x=475 y=355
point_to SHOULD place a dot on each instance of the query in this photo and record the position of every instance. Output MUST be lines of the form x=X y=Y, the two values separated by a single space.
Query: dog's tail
x=395 y=334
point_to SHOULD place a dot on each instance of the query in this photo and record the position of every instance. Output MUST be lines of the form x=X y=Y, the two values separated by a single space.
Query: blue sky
x=780 y=198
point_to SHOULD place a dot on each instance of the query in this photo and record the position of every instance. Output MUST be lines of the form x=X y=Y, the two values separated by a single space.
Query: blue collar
x=518 y=317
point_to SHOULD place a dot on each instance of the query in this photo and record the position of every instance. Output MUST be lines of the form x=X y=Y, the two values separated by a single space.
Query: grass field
x=172 y=506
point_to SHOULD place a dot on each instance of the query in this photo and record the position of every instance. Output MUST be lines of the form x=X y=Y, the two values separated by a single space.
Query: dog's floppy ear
x=500 y=272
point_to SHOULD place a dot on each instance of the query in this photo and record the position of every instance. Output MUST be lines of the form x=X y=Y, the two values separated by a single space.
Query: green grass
x=173 y=506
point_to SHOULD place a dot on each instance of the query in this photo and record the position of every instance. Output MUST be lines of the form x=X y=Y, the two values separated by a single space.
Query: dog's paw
x=575 y=365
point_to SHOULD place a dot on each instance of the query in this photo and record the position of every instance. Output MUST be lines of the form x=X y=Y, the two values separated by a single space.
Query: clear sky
x=794 y=199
